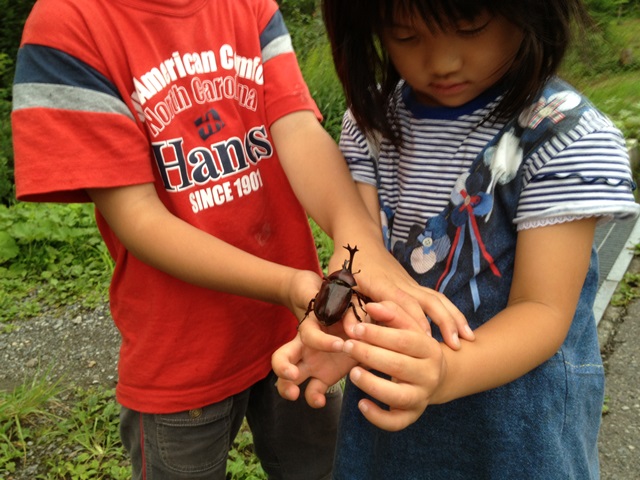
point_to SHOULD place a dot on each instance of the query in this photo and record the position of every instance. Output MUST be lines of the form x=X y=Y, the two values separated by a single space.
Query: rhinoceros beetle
x=335 y=294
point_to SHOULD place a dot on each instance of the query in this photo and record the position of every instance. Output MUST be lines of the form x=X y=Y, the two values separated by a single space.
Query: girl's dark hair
x=369 y=78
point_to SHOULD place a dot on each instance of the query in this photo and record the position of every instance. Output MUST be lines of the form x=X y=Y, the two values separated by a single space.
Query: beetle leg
x=353 y=307
x=306 y=314
x=362 y=301
x=362 y=298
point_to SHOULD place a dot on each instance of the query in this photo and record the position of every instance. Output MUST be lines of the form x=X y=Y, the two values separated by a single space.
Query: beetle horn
x=352 y=253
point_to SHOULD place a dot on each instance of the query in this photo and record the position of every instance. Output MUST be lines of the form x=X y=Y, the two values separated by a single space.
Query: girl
x=489 y=175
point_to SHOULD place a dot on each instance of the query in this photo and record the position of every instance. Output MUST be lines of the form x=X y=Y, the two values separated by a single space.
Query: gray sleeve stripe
x=64 y=97
x=277 y=46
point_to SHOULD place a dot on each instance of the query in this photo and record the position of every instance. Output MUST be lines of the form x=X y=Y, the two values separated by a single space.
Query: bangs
x=436 y=14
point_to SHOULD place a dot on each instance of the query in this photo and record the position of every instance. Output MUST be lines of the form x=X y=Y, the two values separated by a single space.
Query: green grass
x=619 y=97
x=74 y=434
x=21 y=413
x=594 y=70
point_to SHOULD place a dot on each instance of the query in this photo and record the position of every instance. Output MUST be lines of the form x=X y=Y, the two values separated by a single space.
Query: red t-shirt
x=182 y=94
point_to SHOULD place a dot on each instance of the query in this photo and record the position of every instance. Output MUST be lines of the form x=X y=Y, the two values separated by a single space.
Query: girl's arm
x=550 y=268
x=321 y=180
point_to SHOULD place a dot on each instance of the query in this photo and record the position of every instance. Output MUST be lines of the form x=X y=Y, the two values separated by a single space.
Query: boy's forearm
x=136 y=215
x=321 y=180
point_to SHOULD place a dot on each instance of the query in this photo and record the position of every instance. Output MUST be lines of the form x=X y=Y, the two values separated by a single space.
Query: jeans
x=292 y=440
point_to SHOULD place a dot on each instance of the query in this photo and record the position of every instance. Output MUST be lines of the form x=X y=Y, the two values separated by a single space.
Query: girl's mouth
x=448 y=89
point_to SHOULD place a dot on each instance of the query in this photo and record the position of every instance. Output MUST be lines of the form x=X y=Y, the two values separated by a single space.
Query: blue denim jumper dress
x=541 y=426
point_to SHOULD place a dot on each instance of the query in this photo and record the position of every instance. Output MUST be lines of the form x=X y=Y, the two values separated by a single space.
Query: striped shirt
x=583 y=173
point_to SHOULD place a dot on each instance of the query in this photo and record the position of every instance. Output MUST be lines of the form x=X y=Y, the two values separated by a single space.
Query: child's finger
x=452 y=323
x=405 y=404
x=393 y=315
x=315 y=393
x=390 y=420
x=313 y=336
x=382 y=345
x=396 y=395
x=284 y=361
x=399 y=366
x=382 y=289
x=287 y=389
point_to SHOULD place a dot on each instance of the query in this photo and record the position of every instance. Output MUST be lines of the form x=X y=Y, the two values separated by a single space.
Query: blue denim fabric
x=543 y=425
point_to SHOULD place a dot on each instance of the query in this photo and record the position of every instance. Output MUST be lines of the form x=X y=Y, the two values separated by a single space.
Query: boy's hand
x=316 y=353
x=412 y=358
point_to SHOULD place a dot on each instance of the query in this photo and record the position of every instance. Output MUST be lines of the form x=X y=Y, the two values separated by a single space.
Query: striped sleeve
x=585 y=172
x=71 y=129
x=285 y=89
x=357 y=152
x=275 y=39
x=49 y=78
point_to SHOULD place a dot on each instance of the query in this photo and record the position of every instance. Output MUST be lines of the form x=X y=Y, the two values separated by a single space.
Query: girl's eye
x=403 y=34
x=473 y=28
x=405 y=38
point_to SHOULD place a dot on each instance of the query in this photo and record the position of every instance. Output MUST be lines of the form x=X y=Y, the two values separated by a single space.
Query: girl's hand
x=314 y=354
x=383 y=278
x=412 y=358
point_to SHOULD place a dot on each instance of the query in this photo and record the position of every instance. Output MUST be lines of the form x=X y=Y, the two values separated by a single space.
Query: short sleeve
x=358 y=152
x=579 y=174
x=284 y=86
x=71 y=128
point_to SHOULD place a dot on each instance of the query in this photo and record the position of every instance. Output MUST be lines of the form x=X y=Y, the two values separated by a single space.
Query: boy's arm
x=369 y=195
x=321 y=180
x=157 y=237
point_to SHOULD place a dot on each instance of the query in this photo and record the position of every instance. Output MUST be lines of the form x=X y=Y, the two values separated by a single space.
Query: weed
x=628 y=290
x=21 y=413
x=89 y=441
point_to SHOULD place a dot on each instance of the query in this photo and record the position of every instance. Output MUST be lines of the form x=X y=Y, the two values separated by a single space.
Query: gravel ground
x=82 y=347
x=620 y=434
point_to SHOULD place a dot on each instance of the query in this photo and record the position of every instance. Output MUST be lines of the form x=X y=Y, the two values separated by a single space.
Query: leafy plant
x=324 y=245
x=6 y=149
x=50 y=255
x=242 y=463
x=628 y=290
x=319 y=73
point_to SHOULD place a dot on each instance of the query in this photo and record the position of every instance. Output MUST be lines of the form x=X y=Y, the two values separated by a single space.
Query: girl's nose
x=443 y=58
